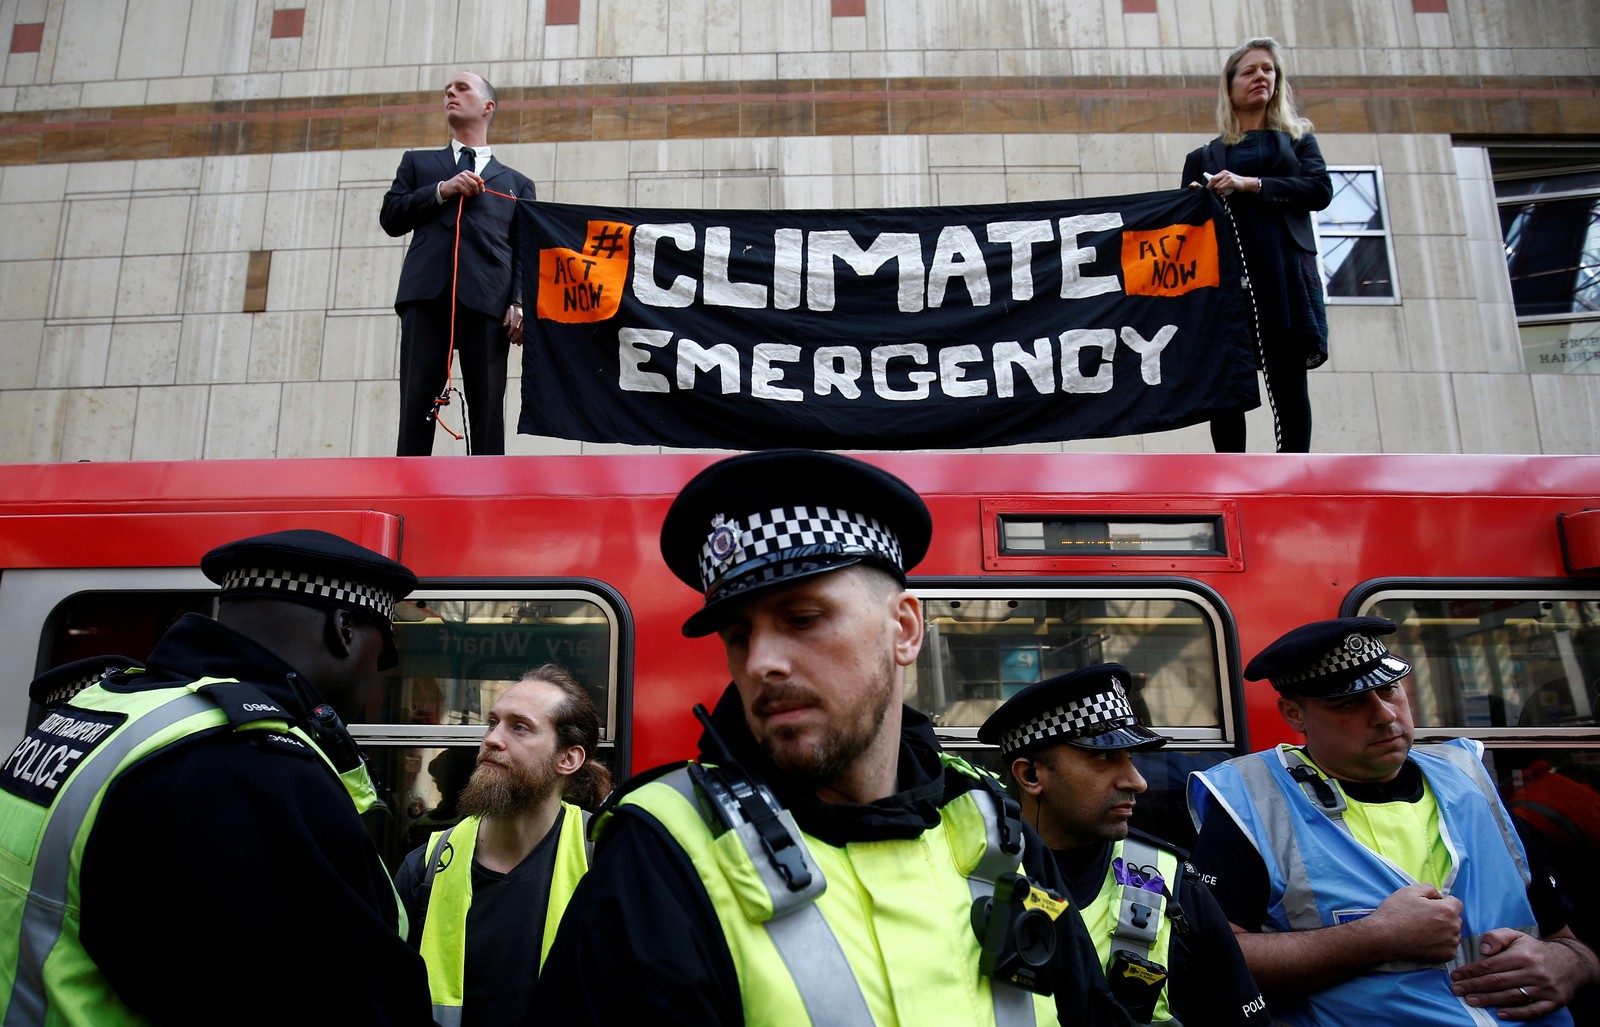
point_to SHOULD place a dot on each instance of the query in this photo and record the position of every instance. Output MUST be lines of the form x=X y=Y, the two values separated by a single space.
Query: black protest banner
x=898 y=328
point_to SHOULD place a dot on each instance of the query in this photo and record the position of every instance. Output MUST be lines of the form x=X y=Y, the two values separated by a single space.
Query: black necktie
x=468 y=161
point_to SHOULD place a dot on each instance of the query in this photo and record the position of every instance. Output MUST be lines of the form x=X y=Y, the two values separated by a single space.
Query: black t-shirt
x=505 y=929
x=1239 y=880
x=1208 y=983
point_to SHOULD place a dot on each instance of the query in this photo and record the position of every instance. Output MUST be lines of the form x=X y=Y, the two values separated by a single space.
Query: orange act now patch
x=1170 y=261
x=584 y=286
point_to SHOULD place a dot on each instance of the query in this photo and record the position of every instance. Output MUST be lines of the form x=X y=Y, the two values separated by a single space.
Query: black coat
x=228 y=879
x=492 y=244
x=1294 y=184
x=642 y=925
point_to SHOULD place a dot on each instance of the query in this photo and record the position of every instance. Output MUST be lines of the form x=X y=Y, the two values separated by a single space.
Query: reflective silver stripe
x=822 y=974
x=1472 y=766
x=1299 y=898
x=52 y=864
x=447 y=1016
x=1013 y=1006
x=1139 y=853
x=801 y=934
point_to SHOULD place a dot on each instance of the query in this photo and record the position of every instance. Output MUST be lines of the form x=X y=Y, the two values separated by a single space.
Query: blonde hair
x=1280 y=107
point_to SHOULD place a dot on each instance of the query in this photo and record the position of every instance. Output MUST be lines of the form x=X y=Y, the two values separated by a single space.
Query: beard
x=512 y=790
x=820 y=759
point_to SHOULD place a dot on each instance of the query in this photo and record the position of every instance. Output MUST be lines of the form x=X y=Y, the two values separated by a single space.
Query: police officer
x=184 y=841
x=1372 y=880
x=485 y=896
x=1168 y=953
x=819 y=863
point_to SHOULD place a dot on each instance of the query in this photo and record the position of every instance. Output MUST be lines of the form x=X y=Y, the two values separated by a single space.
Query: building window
x=1353 y=241
x=1550 y=222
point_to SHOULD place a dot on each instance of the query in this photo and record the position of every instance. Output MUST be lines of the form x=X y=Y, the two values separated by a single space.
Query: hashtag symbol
x=607 y=243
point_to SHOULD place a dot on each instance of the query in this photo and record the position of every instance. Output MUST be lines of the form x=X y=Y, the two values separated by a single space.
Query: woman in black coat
x=1267 y=163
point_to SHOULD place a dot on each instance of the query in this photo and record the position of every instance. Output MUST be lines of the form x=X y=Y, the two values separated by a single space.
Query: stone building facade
x=192 y=265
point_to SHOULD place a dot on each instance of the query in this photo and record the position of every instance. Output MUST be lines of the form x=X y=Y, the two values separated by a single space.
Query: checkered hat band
x=320 y=586
x=1349 y=658
x=765 y=539
x=61 y=693
x=1089 y=716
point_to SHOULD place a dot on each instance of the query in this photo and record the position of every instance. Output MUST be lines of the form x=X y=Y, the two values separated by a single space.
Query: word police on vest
x=42 y=761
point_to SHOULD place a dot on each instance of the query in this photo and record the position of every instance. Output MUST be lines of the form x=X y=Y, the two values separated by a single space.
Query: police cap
x=317 y=569
x=774 y=517
x=1330 y=658
x=1087 y=708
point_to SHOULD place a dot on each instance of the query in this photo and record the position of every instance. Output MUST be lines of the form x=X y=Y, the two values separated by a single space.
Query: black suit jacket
x=492 y=244
x=1294 y=184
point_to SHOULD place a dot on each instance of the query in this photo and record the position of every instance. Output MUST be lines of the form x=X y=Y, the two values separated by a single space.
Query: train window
x=1092 y=536
x=982 y=648
x=1499 y=665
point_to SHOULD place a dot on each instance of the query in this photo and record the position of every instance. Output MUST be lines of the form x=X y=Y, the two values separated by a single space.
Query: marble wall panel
x=21 y=343
x=143 y=352
x=374 y=429
x=31 y=425
x=38 y=183
x=86 y=288
x=98 y=424
x=95 y=228
x=1496 y=413
x=349 y=34
x=366 y=277
x=360 y=347
x=286 y=346
x=1364 y=337
x=157 y=225
x=170 y=423
x=95 y=180
x=84 y=50
x=242 y=422
x=317 y=419
x=220 y=37
x=25 y=289
x=1568 y=407
x=31 y=231
x=300 y=219
x=150 y=48
x=74 y=356
x=229 y=221
x=1416 y=413
x=1344 y=414
x=214 y=348
x=421 y=32
x=149 y=285
x=301 y=280
x=213 y=283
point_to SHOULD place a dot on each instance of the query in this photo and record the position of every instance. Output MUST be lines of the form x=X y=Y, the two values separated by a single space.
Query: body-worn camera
x=1018 y=930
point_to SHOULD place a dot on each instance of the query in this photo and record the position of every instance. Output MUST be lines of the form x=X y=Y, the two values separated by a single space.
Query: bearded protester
x=485 y=896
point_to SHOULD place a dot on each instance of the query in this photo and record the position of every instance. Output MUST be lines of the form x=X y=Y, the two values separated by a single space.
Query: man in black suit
x=429 y=189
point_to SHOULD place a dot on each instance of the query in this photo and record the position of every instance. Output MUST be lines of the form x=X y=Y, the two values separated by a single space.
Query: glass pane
x=1355 y=203
x=117 y=623
x=1485 y=663
x=1083 y=536
x=1357 y=266
x=457 y=656
x=1553 y=256
x=981 y=650
x=1545 y=184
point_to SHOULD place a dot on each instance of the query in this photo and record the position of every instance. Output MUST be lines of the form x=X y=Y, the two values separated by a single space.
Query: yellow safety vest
x=1135 y=919
x=883 y=936
x=449 y=881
